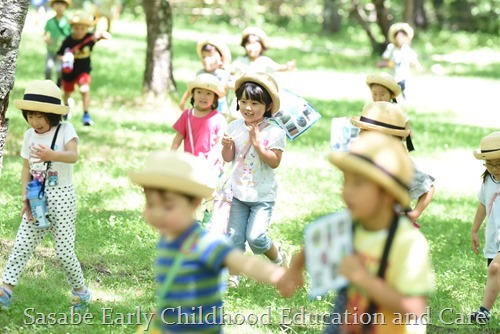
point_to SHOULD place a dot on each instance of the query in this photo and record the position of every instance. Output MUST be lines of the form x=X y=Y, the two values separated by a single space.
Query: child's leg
x=83 y=81
x=238 y=219
x=49 y=65
x=492 y=283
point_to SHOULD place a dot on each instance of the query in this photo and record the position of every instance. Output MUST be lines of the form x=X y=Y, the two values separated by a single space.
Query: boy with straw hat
x=390 y=272
x=387 y=118
x=489 y=207
x=190 y=259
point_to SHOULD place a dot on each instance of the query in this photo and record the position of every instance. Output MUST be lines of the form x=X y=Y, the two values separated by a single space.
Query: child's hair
x=162 y=192
x=244 y=41
x=256 y=92
x=52 y=119
x=210 y=48
x=485 y=175
x=215 y=105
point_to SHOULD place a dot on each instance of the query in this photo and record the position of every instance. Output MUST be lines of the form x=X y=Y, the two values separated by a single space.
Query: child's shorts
x=82 y=79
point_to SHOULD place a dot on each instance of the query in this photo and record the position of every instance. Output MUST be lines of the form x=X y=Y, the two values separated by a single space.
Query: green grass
x=116 y=247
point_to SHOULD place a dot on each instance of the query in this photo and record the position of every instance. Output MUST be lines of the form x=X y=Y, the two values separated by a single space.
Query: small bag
x=68 y=61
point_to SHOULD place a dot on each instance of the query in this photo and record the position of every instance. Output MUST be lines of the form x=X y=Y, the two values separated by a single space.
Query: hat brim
x=348 y=162
x=212 y=88
x=391 y=85
x=41 y=107
x=251 y=77
x=486 y=155
x=173 y=183
x=398 y=27
x=367 y=126
x=223 y=49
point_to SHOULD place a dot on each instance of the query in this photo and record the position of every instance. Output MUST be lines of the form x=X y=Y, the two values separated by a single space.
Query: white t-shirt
x=403 y=58
x=491 y=201
x=253 y=180
x=261 y=64
x=60 y=173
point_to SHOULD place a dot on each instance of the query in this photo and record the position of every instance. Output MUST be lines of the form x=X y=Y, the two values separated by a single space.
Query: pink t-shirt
x=206 y=131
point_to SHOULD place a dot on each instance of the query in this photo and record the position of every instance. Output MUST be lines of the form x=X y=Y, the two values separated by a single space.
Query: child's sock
x=279 y=259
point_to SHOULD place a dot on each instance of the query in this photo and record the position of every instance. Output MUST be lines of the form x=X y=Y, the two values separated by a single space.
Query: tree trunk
x=420 y=15
x=384 y=17
x=158 y=76
x=12 y=17
x=359 y=14
x=332 y=20
x=409 y=12
x=438 y=6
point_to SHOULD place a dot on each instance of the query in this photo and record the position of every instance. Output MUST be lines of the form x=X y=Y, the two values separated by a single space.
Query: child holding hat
x=42 y=108
x=79 y=45
x=390 y=271
x=399 y=55
x=387 y=118
x=255 y=147
x=489 y=207
x=56 y=30
x=383 y=87
x=190 y=260
x=215 y=58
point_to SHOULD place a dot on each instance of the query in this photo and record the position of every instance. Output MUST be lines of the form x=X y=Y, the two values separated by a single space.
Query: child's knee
x=84 y=89
x=259 y=244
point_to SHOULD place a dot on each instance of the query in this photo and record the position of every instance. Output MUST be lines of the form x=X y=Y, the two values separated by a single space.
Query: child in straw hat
x=42 y=108
x=489 y=207
x=399 y=55
x=56 y=30
x=190 y=260
x=255 y=147
x=383 y=87
x=215 y=58
x=387 y=118
x=79 y=44
x=377 y=172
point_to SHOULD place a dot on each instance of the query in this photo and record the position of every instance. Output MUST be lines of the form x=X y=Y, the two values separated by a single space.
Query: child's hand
x=352 y=268
x=290 y=282
x=254 y=132
x=26 y=209
x=290 y=65
x=475 y=242
x=227 y=141
x=42 y=153
x=102 y=35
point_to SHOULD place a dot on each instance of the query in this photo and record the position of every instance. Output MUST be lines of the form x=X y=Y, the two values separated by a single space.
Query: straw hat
x=489 y=147
x=257 y=32
x=207 y=81
x=82 y=18
x=396 y=27
x=176 y=171
x=383 y=117
x=382 y=159
x=43 y=96
x=267 y=82
x=219 y=45
x=386 y=80
x=67 y=2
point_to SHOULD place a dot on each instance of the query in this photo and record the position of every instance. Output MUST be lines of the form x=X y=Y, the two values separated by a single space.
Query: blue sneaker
x=5 y=299
x=87 y=120
x=80 y=300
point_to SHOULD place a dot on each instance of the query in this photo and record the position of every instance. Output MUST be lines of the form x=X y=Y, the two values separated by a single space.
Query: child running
x=190 y=260
x=53 y=167
x=390 y=273
x=489 y=207
x=256 y=146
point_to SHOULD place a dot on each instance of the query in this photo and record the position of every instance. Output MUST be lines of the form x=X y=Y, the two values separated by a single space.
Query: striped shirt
x=194 y=300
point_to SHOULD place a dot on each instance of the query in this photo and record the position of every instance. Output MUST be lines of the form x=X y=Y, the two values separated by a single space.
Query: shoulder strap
x=49 y=162
x=190 y=131
x=82 y=43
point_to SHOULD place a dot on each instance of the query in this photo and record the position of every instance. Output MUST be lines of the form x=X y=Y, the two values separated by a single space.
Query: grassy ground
x=115 y=246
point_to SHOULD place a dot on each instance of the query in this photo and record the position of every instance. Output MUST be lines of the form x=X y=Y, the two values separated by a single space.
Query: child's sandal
x=80 y=300
x=5 y=299
x=233 y=281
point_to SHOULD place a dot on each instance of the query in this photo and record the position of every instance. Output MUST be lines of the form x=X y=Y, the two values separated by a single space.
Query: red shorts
x=82 y=79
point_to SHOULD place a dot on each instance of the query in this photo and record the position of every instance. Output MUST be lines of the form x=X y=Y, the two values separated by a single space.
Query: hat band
x=488 y=151
x=42 y=98
x=385 y=125
x=382 y=169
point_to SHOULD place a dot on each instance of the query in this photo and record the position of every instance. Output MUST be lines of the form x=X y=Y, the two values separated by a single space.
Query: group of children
x=388 y=273
x=69 y=47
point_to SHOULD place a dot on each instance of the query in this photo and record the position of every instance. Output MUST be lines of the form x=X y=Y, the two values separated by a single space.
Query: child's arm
x=184 y=98
x=378 y=290
x=288 y=66
x=70 y=155
x=227 y=148
x=25 y=178
x=98 y=35
x=294 y=276
x=254 y=267
x=478 y=220
x=271 y=157
x=422 y=203
x=176 y=142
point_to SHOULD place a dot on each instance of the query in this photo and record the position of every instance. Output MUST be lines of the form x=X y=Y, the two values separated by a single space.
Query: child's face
x=38 y=121
x=253 y=47
x=401 y=39
x=203 y=99
x=251 y=110
x=79 y=31
x=362 y=196
x=59 y=7
x=380 y=93
x=211 y=60
x=493 y=167
x=169 y=212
